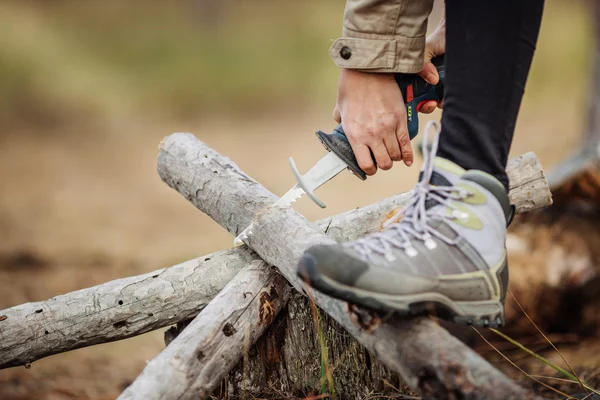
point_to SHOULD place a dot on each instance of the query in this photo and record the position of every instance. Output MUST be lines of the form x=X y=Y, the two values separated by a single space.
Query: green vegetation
x=153 y=56
x=68 y=60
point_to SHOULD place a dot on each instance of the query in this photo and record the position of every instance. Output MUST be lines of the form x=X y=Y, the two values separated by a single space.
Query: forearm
x=383 y=35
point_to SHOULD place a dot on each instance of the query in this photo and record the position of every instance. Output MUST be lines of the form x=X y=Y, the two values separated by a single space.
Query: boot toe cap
x=333 y=262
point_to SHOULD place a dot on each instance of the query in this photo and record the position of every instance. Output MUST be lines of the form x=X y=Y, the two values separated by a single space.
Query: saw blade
x=290 y=196
x=325 y=169
x=287 y=199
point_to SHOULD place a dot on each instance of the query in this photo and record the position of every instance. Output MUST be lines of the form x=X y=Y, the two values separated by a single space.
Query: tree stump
x=295 y=356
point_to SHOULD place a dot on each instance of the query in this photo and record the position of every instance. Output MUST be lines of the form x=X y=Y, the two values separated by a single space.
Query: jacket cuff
x=377 y=53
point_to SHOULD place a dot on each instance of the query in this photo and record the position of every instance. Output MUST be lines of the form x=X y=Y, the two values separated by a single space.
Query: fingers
x=430 y=73
x=382 y=156
x=393 y=147
x=428 y=107
x=364 y=156
x=405 y=146
x=387 y=140
x=364 y=159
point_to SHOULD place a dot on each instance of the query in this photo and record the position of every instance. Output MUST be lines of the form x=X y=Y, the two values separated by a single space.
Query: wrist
x=351 y=72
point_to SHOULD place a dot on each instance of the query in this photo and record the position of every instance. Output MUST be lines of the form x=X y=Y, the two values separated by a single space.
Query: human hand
x=435 y=45
x=372 y=112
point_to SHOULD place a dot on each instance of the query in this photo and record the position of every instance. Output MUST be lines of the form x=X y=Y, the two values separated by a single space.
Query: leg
x=489 y=48
x=447 y=252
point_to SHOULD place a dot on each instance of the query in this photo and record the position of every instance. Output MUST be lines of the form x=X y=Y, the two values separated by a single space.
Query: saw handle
x=415 y=92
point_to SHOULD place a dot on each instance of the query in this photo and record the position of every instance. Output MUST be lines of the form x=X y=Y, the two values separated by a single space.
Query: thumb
x=435 y=45
x=430 y=73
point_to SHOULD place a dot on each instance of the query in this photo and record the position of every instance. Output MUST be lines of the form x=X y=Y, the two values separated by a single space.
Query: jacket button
x=345 y=52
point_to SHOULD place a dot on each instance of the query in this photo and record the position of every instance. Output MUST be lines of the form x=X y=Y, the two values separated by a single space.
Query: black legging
x=489 y=47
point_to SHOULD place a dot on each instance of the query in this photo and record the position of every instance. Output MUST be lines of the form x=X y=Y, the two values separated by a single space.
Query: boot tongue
x=445 y=173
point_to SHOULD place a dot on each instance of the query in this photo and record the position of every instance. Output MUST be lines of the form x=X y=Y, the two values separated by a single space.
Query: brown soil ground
x=76 y=212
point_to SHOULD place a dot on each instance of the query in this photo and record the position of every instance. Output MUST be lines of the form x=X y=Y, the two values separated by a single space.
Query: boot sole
x=485 y=313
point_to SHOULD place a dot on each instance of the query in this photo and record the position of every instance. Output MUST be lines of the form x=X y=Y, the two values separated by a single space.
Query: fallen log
x=128 y=307
x=115 y=310
x=237 y=316
x=185 y=164
x=91 y=316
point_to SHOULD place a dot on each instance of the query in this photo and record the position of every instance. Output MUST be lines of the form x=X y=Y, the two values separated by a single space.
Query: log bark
x=153 y=300
x=86 y=317
x=230 y=324
x=185 y=164
x=115 y=310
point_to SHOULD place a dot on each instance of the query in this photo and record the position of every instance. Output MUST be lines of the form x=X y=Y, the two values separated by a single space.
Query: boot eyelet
x=411 y=251
x=430 y=244
x=460 y=215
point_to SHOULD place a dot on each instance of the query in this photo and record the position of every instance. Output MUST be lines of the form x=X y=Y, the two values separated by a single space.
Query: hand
x=372 y=112
x=435 y=45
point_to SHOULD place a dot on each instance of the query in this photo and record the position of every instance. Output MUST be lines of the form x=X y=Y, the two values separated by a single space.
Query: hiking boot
x=446 y=255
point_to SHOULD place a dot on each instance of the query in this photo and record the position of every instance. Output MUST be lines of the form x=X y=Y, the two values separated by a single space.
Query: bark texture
x=185 y=164
x=528 y=187
x=115 y=310
x=214 y=341
x=149 y=301
x=288 y=362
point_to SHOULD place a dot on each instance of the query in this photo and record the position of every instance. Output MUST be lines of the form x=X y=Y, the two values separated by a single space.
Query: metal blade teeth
x=295 y=199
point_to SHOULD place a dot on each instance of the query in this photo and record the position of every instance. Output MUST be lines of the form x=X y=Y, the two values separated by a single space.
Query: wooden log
x=115 y=310
x=230 y=324
x=150 y=301
x=418 y=349
x=183 y=163
x=86 y=317
x=217 y=187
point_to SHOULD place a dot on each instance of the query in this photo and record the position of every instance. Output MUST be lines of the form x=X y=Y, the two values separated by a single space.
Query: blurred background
x=89 y=88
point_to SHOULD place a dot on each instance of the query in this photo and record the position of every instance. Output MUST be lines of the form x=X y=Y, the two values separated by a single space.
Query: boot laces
x=415 y=223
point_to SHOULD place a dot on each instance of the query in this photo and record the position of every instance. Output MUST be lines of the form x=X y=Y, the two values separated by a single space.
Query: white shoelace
x=415 y=226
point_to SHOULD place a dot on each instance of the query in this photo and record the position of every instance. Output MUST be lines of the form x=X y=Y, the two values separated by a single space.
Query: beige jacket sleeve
x=383 y=35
